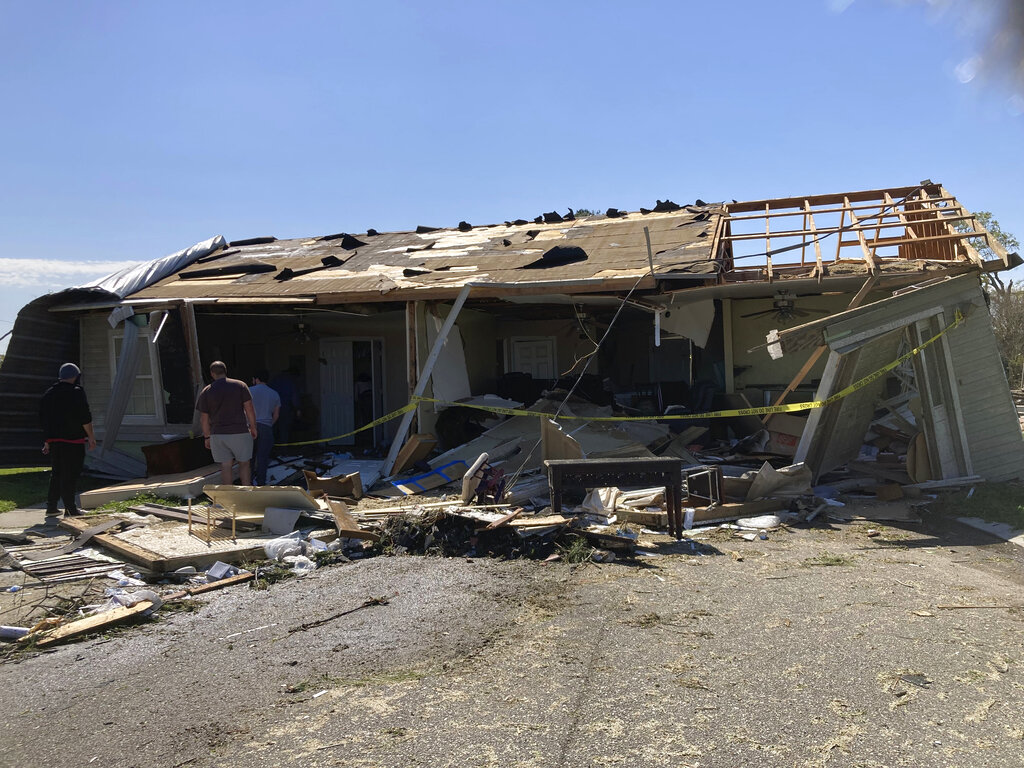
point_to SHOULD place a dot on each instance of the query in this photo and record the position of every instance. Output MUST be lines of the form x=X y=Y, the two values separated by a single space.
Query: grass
x=23 y=486
x=576 y=551
x=268 y=573
x=142 y=498
x=995 y=502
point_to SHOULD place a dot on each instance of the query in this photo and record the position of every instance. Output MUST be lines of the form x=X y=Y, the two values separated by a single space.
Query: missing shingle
x=558 y=256
x=252 y=241
x=348 y=242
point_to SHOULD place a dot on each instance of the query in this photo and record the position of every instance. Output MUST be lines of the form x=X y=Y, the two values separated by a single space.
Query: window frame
x=145 y=338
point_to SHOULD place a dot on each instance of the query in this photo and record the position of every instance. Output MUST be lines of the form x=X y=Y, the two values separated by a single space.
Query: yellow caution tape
x=375 y=423
x=759 y=411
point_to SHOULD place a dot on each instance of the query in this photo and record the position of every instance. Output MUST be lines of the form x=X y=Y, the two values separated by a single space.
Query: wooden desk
x=621 y=473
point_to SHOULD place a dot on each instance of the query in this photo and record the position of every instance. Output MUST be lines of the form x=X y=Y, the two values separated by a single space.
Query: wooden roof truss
x=807 y=236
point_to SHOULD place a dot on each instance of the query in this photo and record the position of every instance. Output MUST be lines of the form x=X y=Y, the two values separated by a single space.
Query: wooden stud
x=869 y=256
x=89 y=624
x=424 y=377
x=818 y=267
x=839 y=237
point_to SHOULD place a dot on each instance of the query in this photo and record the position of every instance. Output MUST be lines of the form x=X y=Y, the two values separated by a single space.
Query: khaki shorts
x=227 y=448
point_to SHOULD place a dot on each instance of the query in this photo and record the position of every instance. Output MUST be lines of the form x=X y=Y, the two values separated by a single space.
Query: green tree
x=1006 y=301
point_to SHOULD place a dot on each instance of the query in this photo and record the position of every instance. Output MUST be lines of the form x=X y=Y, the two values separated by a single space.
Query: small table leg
x=555 y=482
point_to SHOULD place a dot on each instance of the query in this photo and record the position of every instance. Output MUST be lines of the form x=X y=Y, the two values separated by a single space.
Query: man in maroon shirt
x=229 y=423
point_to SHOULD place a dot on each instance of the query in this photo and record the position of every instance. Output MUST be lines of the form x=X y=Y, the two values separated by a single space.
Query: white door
x=535 y=357
x=337 y=392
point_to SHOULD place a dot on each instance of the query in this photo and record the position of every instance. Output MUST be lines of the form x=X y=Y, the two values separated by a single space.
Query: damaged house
x=870 y=301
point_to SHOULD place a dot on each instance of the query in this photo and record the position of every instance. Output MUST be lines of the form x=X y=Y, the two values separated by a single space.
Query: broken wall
x=960 y=378
x=754 y=369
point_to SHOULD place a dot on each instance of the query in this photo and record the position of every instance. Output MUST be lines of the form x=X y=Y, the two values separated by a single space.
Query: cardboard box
x=784 y=431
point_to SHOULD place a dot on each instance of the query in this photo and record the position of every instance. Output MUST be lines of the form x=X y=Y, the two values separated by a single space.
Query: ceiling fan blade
x=762 y=313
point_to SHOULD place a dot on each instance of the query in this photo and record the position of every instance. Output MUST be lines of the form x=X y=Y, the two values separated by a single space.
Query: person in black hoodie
x=67 y=428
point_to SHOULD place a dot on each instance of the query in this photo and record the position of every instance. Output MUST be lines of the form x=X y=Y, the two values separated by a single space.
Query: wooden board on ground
x=416 y=449
x=348 y=528
x=657 y=518
x=77 y=543
x=201 y=589
x=539 y=521
x=89 y=624
x=181 y=485
x=350 y=486
x=734 y=510
x=166 y=546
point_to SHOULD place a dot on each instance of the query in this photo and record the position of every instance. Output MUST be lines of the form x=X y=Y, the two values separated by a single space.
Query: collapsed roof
x=897 y=230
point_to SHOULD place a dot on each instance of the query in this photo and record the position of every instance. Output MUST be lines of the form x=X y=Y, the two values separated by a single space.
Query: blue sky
x=132 y=130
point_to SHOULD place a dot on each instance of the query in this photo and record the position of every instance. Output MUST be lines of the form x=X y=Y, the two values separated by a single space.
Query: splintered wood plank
x=348 y=528
x=144 y=557
x=768 y=239
x=240 y=578
x=539 y=522
x=89 y=624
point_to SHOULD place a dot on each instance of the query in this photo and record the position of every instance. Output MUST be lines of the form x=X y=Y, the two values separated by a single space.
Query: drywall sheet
x=692 y=320
x=449 y=380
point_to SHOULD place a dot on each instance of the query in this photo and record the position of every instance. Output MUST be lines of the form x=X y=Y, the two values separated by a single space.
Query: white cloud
x=53 y=274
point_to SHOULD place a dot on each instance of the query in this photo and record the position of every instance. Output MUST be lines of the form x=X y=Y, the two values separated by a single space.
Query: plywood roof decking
x=900 y=229
x=411 y=265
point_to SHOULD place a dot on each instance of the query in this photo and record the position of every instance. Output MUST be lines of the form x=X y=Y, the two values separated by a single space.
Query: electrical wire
x=514 y=477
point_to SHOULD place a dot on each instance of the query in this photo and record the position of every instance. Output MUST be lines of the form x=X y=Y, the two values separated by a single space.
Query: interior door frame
x=510 y=354
x=377 y=361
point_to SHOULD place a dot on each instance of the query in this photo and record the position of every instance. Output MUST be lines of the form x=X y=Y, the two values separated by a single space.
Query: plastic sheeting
x=132 y=279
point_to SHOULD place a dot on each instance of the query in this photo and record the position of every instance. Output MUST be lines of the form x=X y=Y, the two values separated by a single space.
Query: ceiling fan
x=785 y=309
x=301 y=333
